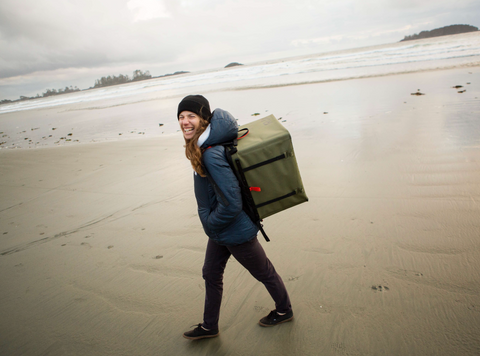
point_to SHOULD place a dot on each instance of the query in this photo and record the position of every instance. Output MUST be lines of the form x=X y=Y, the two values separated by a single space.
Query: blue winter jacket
x=226 y=224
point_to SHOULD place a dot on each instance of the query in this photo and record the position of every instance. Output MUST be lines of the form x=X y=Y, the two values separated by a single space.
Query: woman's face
x=189 y=123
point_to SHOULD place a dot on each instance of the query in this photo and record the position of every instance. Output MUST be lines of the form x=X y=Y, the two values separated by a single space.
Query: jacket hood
x=223 y=128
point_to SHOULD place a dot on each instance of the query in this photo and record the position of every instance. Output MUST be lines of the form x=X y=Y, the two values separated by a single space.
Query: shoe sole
x=281 y=322
x=200 y=337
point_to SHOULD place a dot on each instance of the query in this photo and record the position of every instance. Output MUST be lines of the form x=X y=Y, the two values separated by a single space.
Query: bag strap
x=248 y=202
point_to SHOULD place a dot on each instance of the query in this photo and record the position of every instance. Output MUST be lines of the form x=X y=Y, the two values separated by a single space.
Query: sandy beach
x=101 y=248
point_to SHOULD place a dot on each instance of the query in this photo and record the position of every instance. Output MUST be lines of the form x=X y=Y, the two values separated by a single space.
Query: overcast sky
x=57 y=43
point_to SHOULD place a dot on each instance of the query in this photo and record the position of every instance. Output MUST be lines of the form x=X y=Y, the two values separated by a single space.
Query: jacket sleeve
x=217 y=166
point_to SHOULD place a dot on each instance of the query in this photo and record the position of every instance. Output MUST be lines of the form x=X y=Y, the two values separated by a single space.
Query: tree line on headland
x=442 y=31
x=99 y=83
x=121 y=79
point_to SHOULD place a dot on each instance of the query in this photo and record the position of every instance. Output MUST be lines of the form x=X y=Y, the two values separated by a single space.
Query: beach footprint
x=86 y=245
x=259 y=308
x=405 y=273
x=380 y=288
x=473 y=308
x=341 y=349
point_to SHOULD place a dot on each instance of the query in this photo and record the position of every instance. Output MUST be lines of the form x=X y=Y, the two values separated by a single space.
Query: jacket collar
x=204 y=136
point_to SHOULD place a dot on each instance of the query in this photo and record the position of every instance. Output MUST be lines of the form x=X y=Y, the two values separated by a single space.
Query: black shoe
x=274 y=318
x=200 y=333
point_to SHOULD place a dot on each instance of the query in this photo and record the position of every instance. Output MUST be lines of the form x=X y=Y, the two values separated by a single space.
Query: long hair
x=193 y=152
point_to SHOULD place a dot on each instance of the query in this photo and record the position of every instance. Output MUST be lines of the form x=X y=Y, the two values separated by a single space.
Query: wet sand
x=101 y=248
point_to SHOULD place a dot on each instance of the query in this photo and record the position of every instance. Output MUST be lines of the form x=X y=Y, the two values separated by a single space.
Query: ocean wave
x=440 y=52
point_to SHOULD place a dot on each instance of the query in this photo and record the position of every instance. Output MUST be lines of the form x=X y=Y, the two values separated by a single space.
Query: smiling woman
x=147 y=9
x=228 y=227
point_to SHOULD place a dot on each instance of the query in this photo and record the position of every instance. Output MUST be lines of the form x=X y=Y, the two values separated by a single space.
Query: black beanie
x=196 y=104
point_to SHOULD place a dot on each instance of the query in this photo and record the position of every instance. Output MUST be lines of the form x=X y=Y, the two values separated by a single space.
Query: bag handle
x=245 y=134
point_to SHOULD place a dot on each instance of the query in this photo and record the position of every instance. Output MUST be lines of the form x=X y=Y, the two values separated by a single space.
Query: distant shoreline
x=97 y=85
x=442 y=31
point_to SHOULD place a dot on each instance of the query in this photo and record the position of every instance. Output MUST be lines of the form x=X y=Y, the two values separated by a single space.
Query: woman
x=230 y=230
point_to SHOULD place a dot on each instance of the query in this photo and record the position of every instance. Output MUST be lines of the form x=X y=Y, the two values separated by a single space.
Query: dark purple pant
x=252 y=256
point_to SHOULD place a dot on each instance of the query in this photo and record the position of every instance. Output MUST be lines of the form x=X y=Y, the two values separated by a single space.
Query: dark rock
x=233 y=64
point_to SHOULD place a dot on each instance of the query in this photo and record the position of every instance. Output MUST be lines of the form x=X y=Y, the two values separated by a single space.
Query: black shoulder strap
x=248 y=203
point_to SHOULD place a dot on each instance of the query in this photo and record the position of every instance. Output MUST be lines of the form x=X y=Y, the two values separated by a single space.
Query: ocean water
x=412 y=56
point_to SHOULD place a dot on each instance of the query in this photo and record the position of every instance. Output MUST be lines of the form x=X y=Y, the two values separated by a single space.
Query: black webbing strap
x=276 y=199
x=246 y=189
x=260 y=226
x=271 y=160
x=250 y=204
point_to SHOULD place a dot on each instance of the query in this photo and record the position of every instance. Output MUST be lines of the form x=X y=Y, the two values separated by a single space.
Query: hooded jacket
x=225 y=223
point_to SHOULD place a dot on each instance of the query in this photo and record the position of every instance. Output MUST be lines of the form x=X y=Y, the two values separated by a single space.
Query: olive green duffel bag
x=264 y=162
